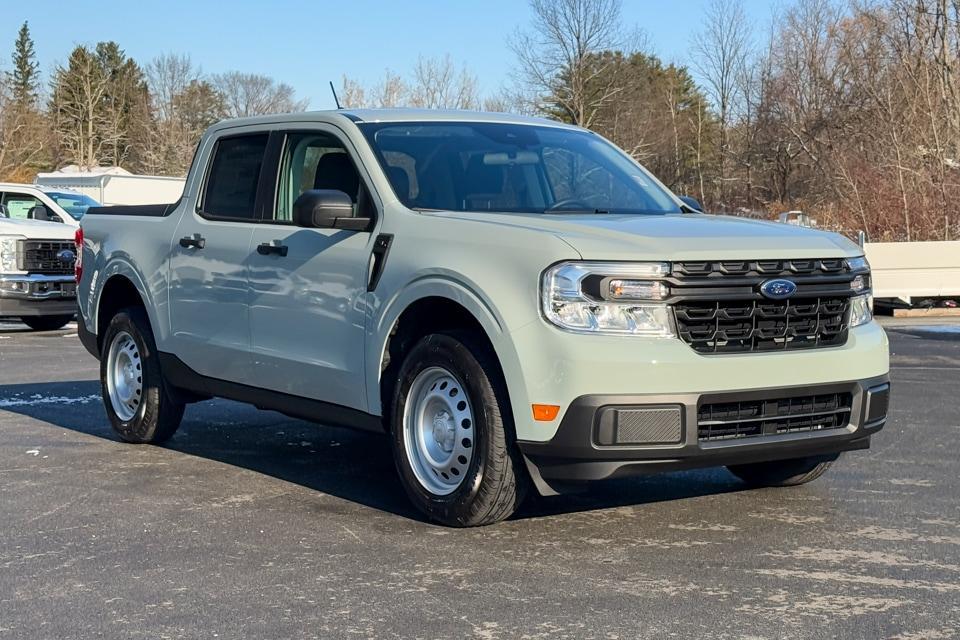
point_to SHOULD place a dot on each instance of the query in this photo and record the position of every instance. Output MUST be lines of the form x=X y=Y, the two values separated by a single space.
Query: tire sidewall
x=439 y=350
x=138 y=428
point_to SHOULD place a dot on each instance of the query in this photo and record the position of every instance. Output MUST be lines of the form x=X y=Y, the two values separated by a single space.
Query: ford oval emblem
x=778 y=289
x=66 y=256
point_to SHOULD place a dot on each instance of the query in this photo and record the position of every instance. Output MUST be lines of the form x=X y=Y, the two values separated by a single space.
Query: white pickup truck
x=514 y=301
x=36 y=202
x=37 y=283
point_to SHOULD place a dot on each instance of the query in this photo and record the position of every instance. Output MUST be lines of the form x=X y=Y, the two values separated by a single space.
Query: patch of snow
x=38 y=399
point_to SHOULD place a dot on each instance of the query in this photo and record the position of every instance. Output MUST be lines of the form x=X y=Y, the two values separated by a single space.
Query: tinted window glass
x=470 y=166
x=231 y=189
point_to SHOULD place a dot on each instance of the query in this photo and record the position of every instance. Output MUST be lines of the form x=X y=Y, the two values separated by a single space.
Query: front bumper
x=584 y=446
x=37 y=295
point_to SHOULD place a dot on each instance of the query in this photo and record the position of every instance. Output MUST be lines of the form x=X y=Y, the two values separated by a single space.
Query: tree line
x=102 y=108
x=846 y=109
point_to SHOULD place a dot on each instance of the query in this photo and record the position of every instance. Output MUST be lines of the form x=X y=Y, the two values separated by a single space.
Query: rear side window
x=231 y=189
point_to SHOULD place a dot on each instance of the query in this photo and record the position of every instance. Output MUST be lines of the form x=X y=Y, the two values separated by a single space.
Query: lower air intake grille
x=754 y=418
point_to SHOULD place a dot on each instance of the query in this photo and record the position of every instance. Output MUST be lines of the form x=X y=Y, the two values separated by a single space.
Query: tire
x=141 y=408
x=783 y=473
x=491 y=484
x=46 y=323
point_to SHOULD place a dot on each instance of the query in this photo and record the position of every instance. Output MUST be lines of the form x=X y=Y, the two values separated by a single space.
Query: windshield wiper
x=576 y=211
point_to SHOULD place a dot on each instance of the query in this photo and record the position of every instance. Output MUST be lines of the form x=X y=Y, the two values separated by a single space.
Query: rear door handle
x=196 y=241
x=266 y=248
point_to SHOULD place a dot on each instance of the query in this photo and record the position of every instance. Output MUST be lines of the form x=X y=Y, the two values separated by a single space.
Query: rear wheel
x=452 y=433
x=46 y=323
x=138 y=403
x=783 y=473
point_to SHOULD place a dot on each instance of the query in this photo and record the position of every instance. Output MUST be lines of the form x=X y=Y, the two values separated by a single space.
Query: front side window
x=231 y=189
x=511 y=168
x=314 y=160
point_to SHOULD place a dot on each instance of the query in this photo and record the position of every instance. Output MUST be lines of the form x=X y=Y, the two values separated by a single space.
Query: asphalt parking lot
x=250 y=524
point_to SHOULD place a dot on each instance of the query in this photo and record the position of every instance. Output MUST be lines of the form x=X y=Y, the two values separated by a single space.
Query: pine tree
x=24 y=79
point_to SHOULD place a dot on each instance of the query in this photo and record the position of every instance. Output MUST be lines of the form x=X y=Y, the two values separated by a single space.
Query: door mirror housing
x=327 y=209
x=693 y=203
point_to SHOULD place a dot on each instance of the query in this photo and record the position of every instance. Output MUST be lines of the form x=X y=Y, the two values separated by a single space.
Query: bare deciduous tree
x=78 y=91
x=437 y=84
x=721 y=52
x=251 y=94
x=559 y=56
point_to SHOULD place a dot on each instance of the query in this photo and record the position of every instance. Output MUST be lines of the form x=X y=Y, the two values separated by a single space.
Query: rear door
x=209 y=310
x=308 y=286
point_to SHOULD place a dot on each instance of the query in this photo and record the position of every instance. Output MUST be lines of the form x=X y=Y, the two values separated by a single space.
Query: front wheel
x=46 y=323
x=452 y=433
x=138 y=402
x=783 y=473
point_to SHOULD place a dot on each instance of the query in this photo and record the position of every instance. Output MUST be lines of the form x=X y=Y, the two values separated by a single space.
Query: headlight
x=608 y=297
x=8 y=253
x=861 y=310
x=861 y=306
x=858 y=264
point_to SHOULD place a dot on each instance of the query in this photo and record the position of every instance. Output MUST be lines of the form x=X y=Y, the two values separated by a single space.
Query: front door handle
x=196 y=241
x=266 y=248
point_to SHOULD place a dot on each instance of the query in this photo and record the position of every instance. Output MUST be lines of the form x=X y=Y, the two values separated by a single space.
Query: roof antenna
x=334 y=92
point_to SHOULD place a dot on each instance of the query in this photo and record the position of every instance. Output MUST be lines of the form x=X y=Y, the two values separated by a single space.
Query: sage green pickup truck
x=514 y=302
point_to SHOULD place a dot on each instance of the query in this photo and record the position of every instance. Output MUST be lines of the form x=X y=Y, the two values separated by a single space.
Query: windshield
x=466 y=166
x=76 y=204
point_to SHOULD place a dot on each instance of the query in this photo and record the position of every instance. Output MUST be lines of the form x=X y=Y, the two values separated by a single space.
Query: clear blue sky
x=307 y=43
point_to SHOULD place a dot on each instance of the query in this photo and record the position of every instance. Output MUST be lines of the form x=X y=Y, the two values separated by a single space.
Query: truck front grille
x=753 y=418
x=719 y=307
x=46 y=257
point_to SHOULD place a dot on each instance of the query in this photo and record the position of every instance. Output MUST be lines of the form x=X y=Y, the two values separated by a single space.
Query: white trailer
x=909 y=270
x=114 y=185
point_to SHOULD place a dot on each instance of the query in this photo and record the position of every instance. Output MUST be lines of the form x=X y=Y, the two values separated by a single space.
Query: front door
x=209 y=311
x=308 y=286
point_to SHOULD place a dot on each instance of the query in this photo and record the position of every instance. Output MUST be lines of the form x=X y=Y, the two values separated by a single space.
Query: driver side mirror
x=327 y=209
x=693 y=203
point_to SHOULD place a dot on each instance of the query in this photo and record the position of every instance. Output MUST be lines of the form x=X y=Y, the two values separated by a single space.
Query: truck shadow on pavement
x=350 y=465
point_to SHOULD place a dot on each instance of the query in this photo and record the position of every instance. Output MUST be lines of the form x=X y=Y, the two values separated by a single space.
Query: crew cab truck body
x=37 y=283
x=514 y=301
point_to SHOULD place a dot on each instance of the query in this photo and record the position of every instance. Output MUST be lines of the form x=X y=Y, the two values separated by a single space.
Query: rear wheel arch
x=118 y=293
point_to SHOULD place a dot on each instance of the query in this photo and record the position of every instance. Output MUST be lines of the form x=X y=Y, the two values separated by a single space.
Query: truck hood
x=36 y=229
x=677 y=236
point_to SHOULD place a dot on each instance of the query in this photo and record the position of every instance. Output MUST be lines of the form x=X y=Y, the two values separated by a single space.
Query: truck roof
x=392 y=115
x=37 y=187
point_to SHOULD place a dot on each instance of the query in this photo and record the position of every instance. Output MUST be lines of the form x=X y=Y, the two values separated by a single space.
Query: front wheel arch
x=422 y=317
